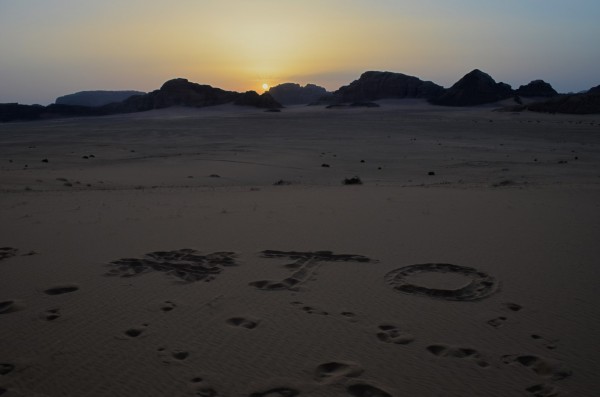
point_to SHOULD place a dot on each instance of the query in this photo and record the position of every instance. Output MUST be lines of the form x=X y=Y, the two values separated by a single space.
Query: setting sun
x=265 y=86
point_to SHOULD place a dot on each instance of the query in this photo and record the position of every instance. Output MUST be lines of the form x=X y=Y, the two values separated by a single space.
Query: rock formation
x=537 y=88
x=379 y=85
x=178 y=92
x=588 y=103
x=594 y=90
x=475 y=88
x=251 y=98
x=95 y=98
x=295 y=94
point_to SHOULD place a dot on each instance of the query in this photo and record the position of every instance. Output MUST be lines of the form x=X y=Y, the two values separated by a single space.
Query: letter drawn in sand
x=478 y=284
x=304 y=266
x=185 y=264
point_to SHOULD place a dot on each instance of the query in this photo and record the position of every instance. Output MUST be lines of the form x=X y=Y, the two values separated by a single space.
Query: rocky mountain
x=251 y=98
x=15 y=111
x=594 y=90
x=537 y=88
x=379 y=85
x=588 y=103
x=181 y=92
x=295 y=94
x=176 y=92
x=18 y=112
x=95 y=98
x=475 y=88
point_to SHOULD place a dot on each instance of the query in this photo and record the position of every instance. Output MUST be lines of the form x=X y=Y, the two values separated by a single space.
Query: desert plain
x=217 y=252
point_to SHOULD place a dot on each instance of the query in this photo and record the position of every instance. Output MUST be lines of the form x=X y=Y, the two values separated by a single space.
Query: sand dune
x=153 y=254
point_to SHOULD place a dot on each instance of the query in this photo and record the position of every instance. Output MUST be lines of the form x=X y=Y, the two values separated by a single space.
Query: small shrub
x=352 y=181
x=281 y=182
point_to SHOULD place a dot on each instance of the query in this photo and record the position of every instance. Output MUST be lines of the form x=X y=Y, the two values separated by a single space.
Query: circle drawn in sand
x=478 y=285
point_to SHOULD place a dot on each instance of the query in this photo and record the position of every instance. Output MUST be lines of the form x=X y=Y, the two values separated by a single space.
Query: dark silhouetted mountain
x=475 y=88
x=181 y=92
x=295 y=94
x=17 y=112
x=379 y=85
x=176 y=92
x=537 y=88
x=594 y=90
x=95 y=98
x=588 y=103
x=251 y=98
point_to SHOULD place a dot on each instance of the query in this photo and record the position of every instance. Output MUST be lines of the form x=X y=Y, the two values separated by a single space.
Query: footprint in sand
x=544 y=367
x=180 y=355
x=515 y=307
x=497 y=322
x=392 y=334
x=6 y=368
x=169 y=357
x=134 y=332
x=201 y=388
x=442 y=281
x=50 y=314
x=243 y=322
x=304 y=266
x=543 y=390
x=310 y=309
x=185 y=264
x=550 y=344
x=314 y=310
x=335 y=371
x=10 y=306
x=442 y=350
x=62 y=289
x=366 y=390
x=277 y=392
x=168 y=306
x=7 y=252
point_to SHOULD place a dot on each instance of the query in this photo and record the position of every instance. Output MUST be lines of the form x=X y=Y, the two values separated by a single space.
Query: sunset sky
x=50 y=48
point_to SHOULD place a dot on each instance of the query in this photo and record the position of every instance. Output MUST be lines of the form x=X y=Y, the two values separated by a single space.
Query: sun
x=265 y=86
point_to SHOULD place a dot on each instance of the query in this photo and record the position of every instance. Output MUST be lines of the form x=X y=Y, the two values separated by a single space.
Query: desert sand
x=216 y=252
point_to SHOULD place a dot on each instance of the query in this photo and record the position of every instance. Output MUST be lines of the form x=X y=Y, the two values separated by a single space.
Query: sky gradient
x=50 y=48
